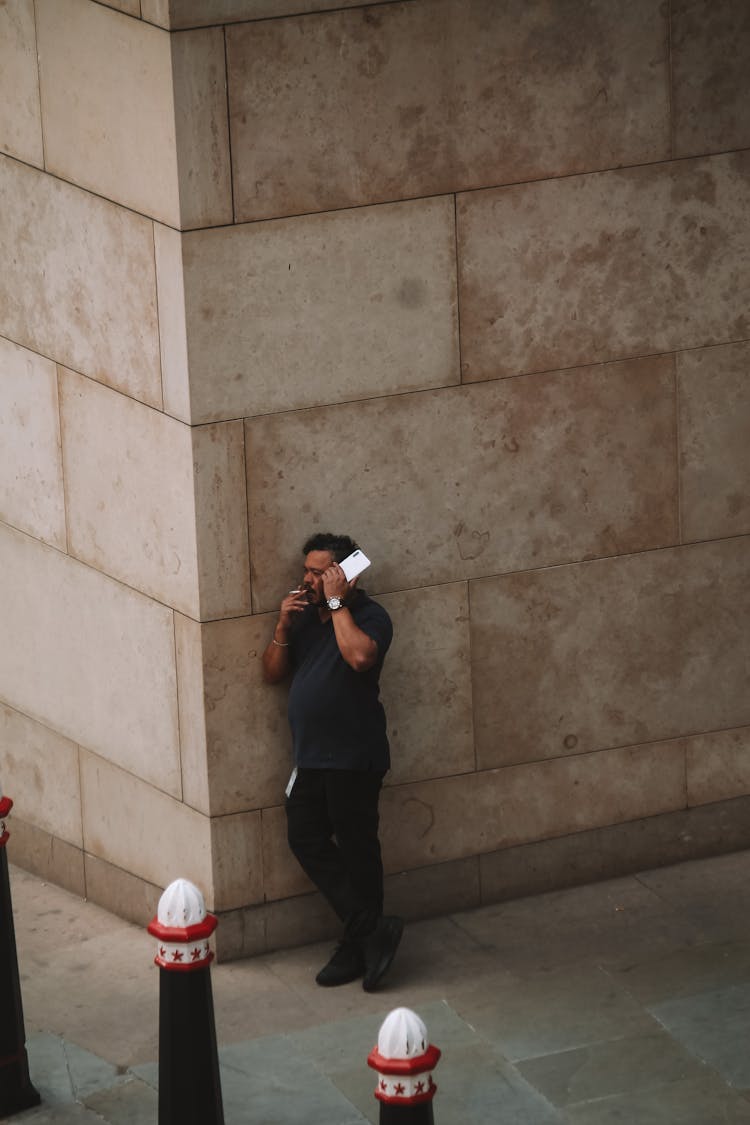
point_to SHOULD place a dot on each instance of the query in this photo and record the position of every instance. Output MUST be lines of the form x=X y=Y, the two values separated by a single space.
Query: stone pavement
x=624 y=1001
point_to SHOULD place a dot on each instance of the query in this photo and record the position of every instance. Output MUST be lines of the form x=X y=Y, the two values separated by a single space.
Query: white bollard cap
x=404 y=1060
x=182 y=927
x=403 y=1035
x=181 y=905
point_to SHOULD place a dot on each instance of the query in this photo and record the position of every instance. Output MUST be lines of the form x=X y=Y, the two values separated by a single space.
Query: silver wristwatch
x=334 y=602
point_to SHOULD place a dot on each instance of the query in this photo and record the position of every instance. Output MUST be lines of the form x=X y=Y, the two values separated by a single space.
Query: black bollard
x=16 y=1089
x=404 y=1062
x=189 y=1082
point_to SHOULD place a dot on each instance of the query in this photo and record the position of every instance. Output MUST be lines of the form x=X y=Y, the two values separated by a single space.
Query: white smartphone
x=354 y=564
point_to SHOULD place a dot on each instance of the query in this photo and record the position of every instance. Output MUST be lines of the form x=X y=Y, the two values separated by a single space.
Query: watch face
x=334 y=603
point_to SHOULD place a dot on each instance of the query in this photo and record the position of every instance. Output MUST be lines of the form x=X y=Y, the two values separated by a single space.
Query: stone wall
x=466 y=279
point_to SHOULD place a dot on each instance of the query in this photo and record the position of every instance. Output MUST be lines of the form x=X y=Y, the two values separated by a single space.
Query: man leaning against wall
x=331 y=639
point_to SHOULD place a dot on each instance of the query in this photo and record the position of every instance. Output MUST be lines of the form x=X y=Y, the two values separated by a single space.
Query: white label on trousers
x=292 y=780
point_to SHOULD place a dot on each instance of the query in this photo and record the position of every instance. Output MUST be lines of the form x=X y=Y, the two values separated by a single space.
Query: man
x=332 y=639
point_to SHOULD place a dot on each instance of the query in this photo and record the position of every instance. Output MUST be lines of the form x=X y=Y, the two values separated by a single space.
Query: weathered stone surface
x=90 y=658
x=136 y=115
x=78 y=281
x=710 y=53
x=472 y=481
x=177 y=14
x=615 y=652
x=237 y=860
x=201 y=128
x=593 y=268
x=192 y=712
x=129 y=491
x=416 y=99
x=107 y=105
x=39 y=771
x=20 y=116
x=718 y=766
x=47 y=856
x=317 y=309
x=122 y=813
x=130 y=7
x=221 y=519
x=615 y=850
x=714 y=398
x=282 y=875
x=31 y=480
x=173 y=340
x=434 y=821
x=121 y=893
x=426 y=683
x=248 y=747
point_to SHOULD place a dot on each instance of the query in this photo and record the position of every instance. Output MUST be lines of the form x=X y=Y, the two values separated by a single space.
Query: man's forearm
x=358 y=649
x=276 y=663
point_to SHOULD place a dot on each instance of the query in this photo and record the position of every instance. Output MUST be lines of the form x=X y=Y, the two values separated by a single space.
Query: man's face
x=312 y=580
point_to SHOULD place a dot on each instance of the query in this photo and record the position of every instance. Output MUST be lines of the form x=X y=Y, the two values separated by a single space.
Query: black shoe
x=347 y=964
x=380 y=949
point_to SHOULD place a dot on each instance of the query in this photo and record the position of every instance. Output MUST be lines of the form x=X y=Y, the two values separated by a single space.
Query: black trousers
x=348 y=870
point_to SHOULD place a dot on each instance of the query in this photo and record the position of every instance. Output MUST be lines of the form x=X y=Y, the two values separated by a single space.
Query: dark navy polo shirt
x=335 y=713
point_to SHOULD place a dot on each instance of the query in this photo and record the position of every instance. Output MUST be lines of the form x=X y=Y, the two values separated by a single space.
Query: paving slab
x=603 y=1070
x=685 y=972
x=553 y=1011
x=715 y=1027
x=703 y=1101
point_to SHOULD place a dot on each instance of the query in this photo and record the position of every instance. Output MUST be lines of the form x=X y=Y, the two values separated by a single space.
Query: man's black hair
x=338 y=545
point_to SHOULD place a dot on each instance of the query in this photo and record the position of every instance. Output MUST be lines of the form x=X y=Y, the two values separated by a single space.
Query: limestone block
x=592 y=268
x=130 y=7
x=47 y=856
x=221 y=519
x=173 y=337
x=31 y=482
x=282 y=875
x=614 y=850
x=430 y=891
x=319 y=309
x=107 y=105
x=710 y=52
x=145 y=832
x=20 y=117
x=248 y=746
x=714 y=399
x=475 y=480
x=78 y=281
x=426 y=683
x=237 y=860
x=450 y=818
x=119 y=892
x=398 y=100
x=129 y=491
x=614 y=652
x=175 y=14
x=718 y=766
x=192 y=712
x=90 y=658
x=201 y=128
x=154 y=503
x=39 y=770
x=294 y=921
